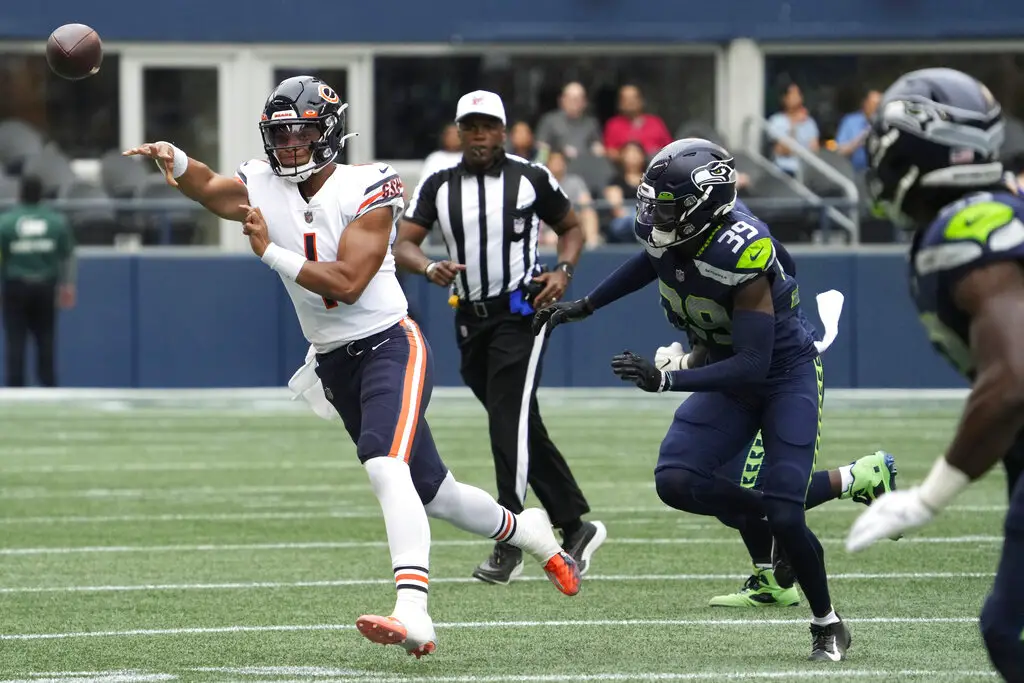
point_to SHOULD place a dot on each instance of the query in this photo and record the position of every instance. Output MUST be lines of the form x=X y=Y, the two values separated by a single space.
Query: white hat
x=480 y=102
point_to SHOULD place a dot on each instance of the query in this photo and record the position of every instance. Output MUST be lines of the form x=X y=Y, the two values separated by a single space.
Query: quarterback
x=327 y=228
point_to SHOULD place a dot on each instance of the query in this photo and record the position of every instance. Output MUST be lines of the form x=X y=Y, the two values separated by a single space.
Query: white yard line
x=479 y=625
x=348 y=545
x=345 y=583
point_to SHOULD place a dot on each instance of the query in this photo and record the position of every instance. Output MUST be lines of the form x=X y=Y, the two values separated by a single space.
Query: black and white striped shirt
x=490 y=221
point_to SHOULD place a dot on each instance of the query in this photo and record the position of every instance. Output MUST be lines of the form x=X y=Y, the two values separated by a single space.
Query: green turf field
x=196 y=542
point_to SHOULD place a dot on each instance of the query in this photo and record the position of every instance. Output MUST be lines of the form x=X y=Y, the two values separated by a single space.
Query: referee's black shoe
x=504 y=564
x=582 y=543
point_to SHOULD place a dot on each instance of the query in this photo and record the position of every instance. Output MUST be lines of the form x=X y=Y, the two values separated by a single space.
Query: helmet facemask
x=285 y=135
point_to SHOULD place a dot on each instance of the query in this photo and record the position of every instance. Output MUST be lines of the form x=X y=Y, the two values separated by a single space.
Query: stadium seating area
x=102 y=200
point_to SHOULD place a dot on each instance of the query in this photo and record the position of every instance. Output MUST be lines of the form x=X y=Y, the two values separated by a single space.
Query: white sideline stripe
x=807 y=674
x=345 y=545
x=478 y=625
x=342 y=583
x=198 y=517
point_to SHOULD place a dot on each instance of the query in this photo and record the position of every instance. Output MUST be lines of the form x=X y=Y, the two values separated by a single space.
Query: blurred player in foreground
x=934 y=168
x=862 y=481
x=721 y=280
x=326 y=229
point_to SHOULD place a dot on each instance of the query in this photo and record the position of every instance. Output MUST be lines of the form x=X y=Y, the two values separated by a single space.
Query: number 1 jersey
x=697 y=293
x=314 y=229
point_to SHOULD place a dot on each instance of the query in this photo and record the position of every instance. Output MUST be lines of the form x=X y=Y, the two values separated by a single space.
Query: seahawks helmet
x=936 y=135
x=688 y=187
x=303 y=111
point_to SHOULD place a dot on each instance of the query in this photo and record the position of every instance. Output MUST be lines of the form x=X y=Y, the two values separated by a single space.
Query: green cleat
x=873 y=476
x=760 y=590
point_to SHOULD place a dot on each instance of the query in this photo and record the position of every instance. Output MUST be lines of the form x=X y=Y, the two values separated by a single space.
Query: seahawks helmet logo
x=714 y=173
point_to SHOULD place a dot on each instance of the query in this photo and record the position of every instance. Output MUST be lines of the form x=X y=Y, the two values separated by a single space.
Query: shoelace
x=821 y=636
x=753 y=583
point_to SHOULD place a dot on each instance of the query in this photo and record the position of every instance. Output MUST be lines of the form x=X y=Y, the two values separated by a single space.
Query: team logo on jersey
x=714 y=173
x=308 y=215
x=327 y=394
x=327 y=93
x=680 y=275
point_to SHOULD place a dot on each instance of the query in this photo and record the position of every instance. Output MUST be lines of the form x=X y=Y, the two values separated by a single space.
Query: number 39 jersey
x=314 y=229
x=697 y=293
x=974 y=232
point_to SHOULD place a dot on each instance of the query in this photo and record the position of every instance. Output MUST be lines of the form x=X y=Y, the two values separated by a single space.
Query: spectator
x=621 y=193
x=569 y=129
x=447 y=156
x=522 y=143
x=37 y=270
x=853 y=130
x=631 y=124
x=579 y=195
x=794 y=121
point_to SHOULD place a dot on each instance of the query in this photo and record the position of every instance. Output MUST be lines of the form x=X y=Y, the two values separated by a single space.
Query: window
x=35 y=95
x=833 y=84
x=416 y=96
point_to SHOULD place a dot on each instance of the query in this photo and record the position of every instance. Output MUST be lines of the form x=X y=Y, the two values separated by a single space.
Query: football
x=74 y=51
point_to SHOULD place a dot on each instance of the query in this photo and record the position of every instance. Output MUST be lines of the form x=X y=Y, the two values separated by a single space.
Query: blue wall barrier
x=459 y=21
x=226 y=321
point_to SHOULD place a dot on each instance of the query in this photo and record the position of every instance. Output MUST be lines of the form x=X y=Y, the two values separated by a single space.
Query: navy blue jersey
x=697 y=293
x=978 y=230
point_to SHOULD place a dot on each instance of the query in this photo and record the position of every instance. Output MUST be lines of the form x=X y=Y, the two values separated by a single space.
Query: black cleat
x=504 y=564
x=830 y=643
x=582 y=544
x=781 y=567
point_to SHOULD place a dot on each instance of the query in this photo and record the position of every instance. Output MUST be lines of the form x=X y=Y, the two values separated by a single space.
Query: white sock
x=846 y=473
x=470 y=509
x=830 y=618
x=407 y=527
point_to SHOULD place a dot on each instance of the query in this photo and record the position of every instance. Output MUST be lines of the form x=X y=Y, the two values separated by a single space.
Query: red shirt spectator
x=633 y=125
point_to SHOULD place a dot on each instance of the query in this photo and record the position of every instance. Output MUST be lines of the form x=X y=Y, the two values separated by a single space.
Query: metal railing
x=849 y=221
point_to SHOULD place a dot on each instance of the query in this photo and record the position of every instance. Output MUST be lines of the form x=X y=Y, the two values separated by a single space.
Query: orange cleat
x=563 y=571
x=392 y=631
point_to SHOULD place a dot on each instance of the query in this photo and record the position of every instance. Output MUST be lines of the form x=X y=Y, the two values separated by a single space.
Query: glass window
x=336 y=78
x=180 y=105
x=833 y=84
x=81 y=117
x=416 y=96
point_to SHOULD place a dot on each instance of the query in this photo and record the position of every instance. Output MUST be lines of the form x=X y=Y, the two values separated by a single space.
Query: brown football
x=74 y=51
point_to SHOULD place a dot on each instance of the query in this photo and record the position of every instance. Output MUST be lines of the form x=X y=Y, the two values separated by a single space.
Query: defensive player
x=862 y=481
x=326 y=229
x=934 y=168
x=720 y=279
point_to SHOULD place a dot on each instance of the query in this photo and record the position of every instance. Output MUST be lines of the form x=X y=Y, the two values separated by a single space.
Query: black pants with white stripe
x=501 y=362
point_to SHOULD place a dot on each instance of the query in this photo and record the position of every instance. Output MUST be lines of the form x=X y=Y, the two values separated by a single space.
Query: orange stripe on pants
x=412 y=393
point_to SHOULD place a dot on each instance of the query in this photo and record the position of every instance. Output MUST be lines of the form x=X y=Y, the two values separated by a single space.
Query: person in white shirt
x=327 y=229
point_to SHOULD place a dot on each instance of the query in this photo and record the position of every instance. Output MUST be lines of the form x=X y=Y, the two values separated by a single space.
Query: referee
x=489 y=209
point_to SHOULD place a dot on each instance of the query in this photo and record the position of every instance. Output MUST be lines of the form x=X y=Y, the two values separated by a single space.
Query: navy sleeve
x=634 y=274
x=753 y=339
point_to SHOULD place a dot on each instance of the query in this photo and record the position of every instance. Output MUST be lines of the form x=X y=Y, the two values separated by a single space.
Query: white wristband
x=288 y=263
x=180 y=161
x=429 y=269
x=942 y=485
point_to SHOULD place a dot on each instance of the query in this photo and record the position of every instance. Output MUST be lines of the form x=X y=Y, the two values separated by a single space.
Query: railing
x=849 y=221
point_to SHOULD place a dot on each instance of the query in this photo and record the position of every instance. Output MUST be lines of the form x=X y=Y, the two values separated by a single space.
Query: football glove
x=562 y=312
x=888 y=517
x=632 y=368
x=671 y=357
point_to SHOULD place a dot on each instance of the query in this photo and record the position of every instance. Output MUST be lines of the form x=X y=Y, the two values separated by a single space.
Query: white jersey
x=314 y=229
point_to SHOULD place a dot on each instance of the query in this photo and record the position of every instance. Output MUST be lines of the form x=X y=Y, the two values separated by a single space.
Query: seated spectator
x=621 y=192
x=796 y=122
x=450 y=153
x=521 y=143
x=631 y=124
x=853 y=130
x=569 y=128
x=577 y=192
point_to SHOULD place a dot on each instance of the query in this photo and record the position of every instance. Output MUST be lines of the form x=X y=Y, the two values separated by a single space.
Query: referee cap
x=480 y=102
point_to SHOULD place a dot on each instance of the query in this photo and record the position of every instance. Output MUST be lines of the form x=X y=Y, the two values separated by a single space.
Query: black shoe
x=781 y=567
x=582 y=544
x=830 y=643
x=504 y=564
